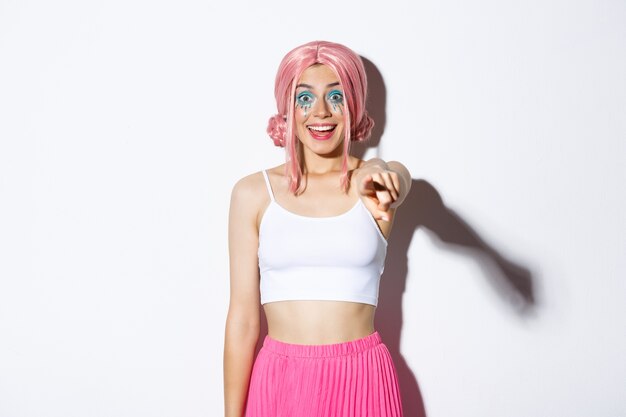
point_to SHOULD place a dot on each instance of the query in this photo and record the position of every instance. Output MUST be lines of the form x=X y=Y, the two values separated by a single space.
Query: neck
x=313 y=163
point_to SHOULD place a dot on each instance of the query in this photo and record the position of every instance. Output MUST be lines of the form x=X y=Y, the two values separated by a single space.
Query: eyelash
x=300 y=99
x=334 y=93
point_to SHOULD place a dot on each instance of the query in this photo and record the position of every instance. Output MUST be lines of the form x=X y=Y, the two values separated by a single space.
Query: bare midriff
x=316 y=322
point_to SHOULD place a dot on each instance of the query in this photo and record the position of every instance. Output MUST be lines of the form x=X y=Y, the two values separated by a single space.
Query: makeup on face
x=335 y=98
x=306 y=99
x=319 y=112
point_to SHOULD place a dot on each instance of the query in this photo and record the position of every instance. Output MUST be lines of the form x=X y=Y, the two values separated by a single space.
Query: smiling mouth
x=321 y=132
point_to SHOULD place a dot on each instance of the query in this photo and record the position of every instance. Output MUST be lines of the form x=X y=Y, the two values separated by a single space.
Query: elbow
x=245 y=328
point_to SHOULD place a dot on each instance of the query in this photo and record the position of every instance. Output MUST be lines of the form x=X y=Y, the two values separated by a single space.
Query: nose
x=321 y=109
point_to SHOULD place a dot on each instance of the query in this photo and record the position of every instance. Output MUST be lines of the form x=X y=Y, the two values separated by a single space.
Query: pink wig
x=349 y=69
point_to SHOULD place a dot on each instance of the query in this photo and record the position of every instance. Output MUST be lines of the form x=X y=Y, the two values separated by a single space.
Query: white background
x=125 y=124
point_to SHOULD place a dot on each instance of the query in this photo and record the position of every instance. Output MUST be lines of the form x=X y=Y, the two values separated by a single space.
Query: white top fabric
x=320 y=258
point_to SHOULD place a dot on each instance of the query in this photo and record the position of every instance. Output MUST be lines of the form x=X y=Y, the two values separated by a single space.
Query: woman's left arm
x=384 y=184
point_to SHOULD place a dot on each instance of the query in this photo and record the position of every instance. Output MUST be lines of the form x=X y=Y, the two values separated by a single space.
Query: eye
x=304 y=99
x=335 y=97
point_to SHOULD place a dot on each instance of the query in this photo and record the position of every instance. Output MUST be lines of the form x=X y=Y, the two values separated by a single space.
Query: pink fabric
x=350 y=379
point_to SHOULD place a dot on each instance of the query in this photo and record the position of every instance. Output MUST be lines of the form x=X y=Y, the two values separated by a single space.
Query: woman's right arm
x=243 y=320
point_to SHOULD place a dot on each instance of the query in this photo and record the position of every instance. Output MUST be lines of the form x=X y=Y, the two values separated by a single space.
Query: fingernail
x=385 y=218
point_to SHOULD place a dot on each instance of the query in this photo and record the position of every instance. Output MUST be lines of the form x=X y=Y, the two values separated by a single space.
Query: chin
x=330 y=143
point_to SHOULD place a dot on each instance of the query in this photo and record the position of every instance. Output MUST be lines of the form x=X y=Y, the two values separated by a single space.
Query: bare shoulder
x=277 y=171
x=249 y=191
x=276 y=176
x=248 y=186
x=250 y=197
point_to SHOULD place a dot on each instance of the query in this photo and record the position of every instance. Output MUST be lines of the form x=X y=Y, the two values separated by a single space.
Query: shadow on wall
x=424 y=207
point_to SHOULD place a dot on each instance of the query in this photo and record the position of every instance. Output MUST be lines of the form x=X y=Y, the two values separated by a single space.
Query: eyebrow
x=311 y=87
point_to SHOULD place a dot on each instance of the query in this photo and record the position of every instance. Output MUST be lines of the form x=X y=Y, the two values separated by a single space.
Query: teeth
x=321 y=128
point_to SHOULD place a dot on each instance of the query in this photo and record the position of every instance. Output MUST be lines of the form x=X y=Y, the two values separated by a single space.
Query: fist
x=380 y=190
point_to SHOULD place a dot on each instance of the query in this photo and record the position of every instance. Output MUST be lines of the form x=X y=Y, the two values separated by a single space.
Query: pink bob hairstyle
x=348 y=67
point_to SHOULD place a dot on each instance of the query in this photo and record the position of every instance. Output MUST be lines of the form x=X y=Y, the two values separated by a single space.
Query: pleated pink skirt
x=350 y=379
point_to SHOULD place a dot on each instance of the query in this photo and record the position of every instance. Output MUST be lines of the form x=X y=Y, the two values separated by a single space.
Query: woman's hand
x=380 y=188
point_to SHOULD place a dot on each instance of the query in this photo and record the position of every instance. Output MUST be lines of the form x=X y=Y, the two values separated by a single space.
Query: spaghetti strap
x=269 y=186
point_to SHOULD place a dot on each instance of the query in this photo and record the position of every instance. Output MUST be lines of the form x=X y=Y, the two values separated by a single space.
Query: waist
x=323 y=350
x=318 y=322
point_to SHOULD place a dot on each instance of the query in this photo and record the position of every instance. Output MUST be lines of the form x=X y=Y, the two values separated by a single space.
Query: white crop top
x=320 y=258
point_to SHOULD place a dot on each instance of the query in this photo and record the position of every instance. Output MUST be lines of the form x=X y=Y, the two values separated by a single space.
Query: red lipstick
x=322 y=131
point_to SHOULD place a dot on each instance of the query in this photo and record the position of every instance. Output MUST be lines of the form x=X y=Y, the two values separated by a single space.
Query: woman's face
x=319 y=111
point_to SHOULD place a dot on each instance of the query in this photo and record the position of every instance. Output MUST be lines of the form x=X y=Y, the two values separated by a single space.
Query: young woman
x=308 y=240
